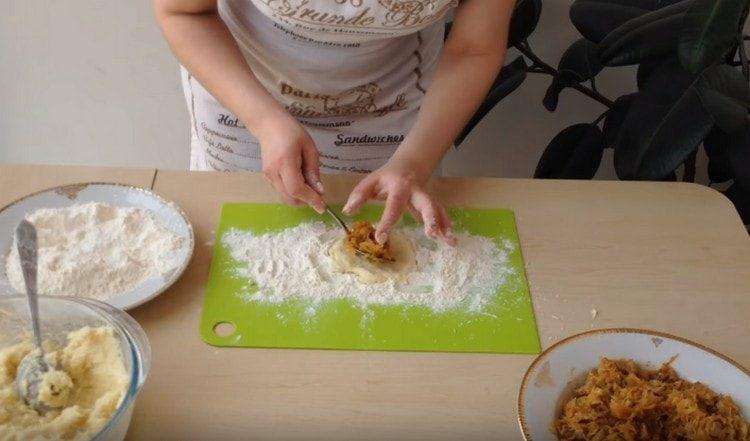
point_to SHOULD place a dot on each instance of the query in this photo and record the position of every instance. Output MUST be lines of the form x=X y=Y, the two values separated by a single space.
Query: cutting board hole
x=224 y=329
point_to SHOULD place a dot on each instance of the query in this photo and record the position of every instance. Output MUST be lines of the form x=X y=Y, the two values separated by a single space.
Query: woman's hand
x=204 y=45
x=401 y=187
x=475 y=49
x=290 y=162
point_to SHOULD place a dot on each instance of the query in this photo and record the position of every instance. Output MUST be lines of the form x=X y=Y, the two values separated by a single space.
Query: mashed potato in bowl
x=87 y=397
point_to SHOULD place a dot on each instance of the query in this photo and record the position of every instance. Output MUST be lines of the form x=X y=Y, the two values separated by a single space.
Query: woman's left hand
x=402 y=189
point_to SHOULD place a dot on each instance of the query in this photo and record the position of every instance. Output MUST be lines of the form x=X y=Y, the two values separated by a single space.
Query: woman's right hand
x=204 y=45
x=290 y=162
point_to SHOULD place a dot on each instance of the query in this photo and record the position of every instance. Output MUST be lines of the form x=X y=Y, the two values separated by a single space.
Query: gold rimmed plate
x=167 y=214
x=551 y=378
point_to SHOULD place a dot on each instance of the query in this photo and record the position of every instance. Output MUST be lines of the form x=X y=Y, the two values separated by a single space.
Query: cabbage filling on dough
x=361 y=238
x=401 y=261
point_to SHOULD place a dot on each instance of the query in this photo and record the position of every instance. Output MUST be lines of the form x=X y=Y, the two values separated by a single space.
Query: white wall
x=92 y=82
x=88 y=82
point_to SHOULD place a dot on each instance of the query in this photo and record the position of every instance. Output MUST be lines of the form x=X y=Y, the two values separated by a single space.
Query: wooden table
x=668 y=256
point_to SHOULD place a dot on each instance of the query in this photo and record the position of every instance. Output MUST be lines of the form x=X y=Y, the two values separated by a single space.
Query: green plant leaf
x=579 y=63
x=511 y=77
x=594 y=19
x=649 y=5
x=651 y=36
x=715 y=145
x=525 y=17
x=709 y=30
x=724 y=92
x=740 y=197
x=552 y=95
x=561 y=80
x=738 y=153
x=575 y=153
x=582 y=59
x=615 y=116
x=645 y=69
x=664 y=125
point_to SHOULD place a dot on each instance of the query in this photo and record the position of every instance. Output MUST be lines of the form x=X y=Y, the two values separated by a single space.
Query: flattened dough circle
x=369 y=272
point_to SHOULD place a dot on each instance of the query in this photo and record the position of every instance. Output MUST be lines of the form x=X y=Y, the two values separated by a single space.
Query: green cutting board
x=505 y=325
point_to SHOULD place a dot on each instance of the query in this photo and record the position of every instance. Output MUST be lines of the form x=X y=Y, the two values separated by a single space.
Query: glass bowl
x=60 y=315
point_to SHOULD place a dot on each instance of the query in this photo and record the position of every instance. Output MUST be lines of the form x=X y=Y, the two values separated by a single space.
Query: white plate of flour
x=112 y=242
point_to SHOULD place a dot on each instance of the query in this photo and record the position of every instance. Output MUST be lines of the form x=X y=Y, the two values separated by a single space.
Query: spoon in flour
x=34 y=366
x=338 y=220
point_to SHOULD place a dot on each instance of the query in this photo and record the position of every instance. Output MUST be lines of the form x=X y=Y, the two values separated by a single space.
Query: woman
x=339 y=85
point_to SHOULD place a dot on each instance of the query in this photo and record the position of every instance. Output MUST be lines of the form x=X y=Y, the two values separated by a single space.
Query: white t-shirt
x=353 y=72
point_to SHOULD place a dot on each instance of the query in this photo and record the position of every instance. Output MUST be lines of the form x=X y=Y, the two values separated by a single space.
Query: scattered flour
x=294 y=263
x=96 y=250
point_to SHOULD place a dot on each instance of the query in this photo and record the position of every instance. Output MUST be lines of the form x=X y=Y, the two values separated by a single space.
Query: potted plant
x=691 y=90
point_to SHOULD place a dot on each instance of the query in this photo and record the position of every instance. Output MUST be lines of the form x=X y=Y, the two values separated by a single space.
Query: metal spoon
x=34 y=365
x=338 y=220
x=348 y=232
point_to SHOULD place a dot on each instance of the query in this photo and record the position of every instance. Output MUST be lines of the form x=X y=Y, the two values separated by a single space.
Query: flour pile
x=96 y=250
x=294 y=263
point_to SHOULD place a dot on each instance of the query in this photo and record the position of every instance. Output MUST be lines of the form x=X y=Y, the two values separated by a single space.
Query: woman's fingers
x=416 y=215
x=397 y=200
x=275 y=180
x=400 y=196
x=311 y=167
x=437 y=223
x=359 y=195
x=448 y=234
x=429 y=213
x=296 y=187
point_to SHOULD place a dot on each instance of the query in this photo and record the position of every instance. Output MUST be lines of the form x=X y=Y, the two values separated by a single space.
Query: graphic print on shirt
x=352 y=72
x=356 y=101
x=384 y=15
x=410 y=13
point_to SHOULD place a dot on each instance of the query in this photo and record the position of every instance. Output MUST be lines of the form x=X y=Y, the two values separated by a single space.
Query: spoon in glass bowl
x=34 y=366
